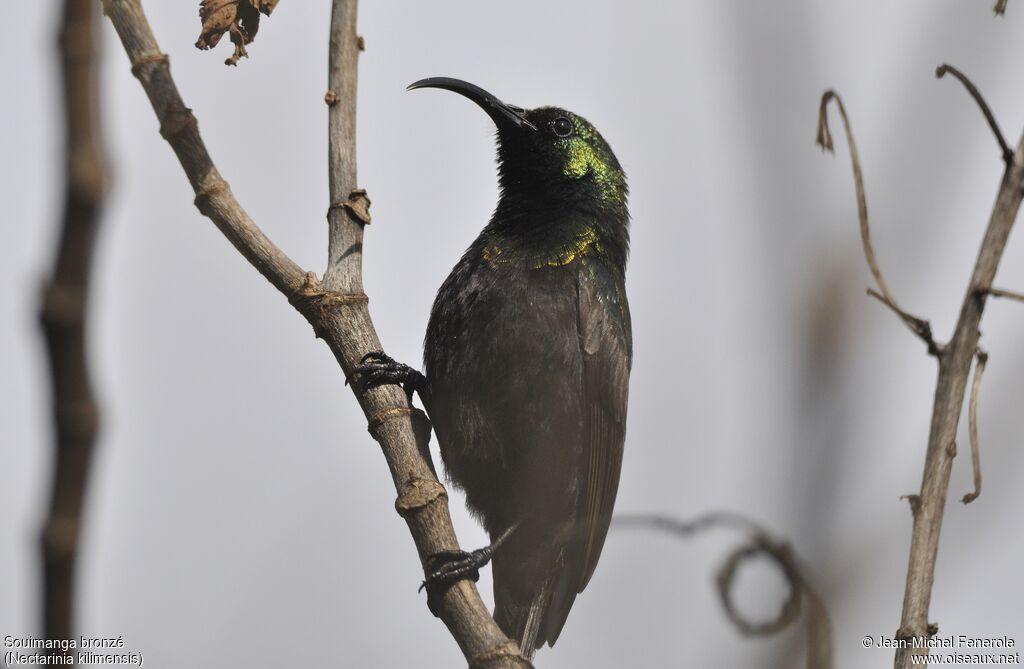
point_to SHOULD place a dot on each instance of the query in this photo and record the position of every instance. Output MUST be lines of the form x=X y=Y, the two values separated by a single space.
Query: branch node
x=919 y=326
x=331 y=98
x=313 y=302
x=915 y=503
x=417 y=493
x=941 y=71
x=63 y=304
x=177 y=120
x=360 y=43
x=207 y=193
x=357 y=206
x=380 y=418
x=60 y=536
x=495 y=656
x=147 y=59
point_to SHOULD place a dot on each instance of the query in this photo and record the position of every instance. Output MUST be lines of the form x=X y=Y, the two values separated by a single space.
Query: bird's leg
x=447 y=567
x=377 y=369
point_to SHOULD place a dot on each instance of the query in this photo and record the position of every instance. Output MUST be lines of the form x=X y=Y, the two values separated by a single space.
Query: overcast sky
x=240 y=514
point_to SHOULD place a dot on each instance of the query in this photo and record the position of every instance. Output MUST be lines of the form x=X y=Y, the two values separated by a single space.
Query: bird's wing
x=606 y=348
x=605 y=340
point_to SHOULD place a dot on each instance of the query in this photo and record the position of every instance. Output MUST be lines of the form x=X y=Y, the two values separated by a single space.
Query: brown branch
x=336 y=308
x=818 y=629
x=1008 y=294
x=972 y=418
x=955 y=358
x=941 y=71
x=918 y=326
x=1000 y=7
x=64 y=309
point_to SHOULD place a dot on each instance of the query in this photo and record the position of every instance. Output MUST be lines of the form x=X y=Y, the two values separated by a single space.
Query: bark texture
x=336 y=307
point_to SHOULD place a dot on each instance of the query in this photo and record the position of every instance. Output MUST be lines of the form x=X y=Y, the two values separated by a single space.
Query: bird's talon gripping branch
x=447 y=567
x=376 y=368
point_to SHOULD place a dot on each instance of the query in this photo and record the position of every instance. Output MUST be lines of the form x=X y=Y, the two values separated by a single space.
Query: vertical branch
x=349 y=207
x=928 y=506
x=63 y=312
x=336 y=307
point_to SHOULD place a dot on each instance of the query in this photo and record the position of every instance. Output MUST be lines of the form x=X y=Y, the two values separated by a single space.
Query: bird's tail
x=533 y=616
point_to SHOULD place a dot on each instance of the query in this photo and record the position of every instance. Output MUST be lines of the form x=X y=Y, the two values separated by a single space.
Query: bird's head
x=547 y=157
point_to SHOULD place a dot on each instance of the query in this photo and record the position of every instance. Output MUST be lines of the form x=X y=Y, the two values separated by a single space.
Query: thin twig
x=818 y=630
x=972 y=418
x=918 y=326
x=337 y=308
x=941 y=71
x=64 y=312
x=1008 y=294
x=955 y=358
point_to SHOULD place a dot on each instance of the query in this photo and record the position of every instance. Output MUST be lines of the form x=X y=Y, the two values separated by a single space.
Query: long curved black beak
x=500 y=112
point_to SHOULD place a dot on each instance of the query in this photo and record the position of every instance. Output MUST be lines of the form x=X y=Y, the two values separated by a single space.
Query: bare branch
x=818 y=630
x=972 y=418
x=64 y=309
x=918 y=326
x=921 y=328
x=951 y=386
x=336 y=308
x=1000 y=7
x=1008 y=294
x=941 y=71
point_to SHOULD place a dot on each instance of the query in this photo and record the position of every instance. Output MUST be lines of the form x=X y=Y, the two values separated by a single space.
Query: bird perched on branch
x=527 y=358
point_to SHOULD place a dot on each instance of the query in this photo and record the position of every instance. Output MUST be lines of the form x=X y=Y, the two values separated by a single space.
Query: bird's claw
x=376 y=368
x=451 y=566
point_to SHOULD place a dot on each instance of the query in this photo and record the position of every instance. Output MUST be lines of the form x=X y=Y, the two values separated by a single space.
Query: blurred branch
x=955 y=358
x=972 y=418
x=941 y=71
x=918 y=326
x=64 y=309
x=818 y=630
x=336 y=307
x=1008 y=294
x=1000 y=7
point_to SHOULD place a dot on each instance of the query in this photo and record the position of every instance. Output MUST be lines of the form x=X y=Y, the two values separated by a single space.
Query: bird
x=527 y=357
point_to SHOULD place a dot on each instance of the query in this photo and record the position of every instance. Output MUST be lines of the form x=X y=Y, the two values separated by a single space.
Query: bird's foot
x=377 y=369
x=447 y=567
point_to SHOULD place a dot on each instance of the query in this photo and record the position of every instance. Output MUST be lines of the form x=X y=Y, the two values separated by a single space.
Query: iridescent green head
x=548 y=157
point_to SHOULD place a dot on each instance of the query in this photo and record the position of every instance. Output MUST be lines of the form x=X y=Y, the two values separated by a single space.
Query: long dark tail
x=531 y=607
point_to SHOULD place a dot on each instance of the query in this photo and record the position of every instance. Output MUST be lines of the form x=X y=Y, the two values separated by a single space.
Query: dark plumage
x=527 y=359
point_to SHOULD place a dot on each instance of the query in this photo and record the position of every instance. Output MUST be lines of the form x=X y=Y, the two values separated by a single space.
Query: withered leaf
x=239 y=18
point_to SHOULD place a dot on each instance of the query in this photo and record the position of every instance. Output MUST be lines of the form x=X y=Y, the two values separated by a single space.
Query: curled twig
x=760 y=544
x=972 y=418
x=941 y=71
x=918 y=326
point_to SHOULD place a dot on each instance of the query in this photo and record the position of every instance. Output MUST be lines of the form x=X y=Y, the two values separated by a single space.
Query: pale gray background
x=239 y=513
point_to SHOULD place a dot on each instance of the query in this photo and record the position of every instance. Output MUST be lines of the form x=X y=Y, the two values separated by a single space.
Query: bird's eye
x=562 y=126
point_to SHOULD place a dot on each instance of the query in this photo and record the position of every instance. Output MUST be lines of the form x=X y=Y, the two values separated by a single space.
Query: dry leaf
x=239 y=18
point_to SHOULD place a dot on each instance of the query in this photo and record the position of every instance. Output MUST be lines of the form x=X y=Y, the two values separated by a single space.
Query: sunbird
x=526 y=365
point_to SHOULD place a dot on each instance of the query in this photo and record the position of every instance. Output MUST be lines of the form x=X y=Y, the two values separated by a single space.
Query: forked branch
x=336 y=307
x=955 y=358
